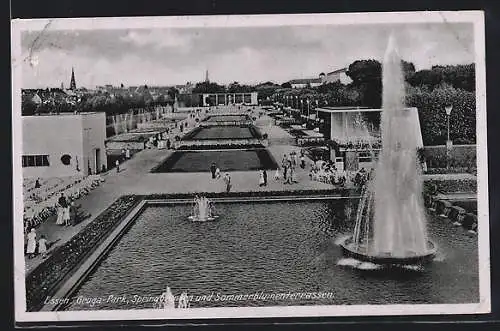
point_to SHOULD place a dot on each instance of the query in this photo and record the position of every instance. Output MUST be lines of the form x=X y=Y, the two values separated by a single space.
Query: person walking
x=62 y=203
x=227 y=180
x=264 y=173
x=261 y=178
x=117 y=164
x=31 y=246
x=284 y=165
x=127 y=153
x=302 y=161
x=66 y=215
x=213 y=169
x=42 y=246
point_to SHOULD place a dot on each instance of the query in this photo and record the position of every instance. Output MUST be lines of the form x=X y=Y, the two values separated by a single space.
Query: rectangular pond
x=265 y=248
x=227 y=118
x=226 y=160
x=223 y=133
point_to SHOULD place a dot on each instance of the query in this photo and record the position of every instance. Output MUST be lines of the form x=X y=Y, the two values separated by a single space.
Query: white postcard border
x=475 y=17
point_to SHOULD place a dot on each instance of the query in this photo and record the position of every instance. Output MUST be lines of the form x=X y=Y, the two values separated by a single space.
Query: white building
x=61 y=145
x=339 y=75
x=356 y=139
x=305 y=82
x=216 y=99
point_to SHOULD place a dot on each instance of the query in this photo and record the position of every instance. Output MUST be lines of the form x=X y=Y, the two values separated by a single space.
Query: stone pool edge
x=78 y=277
x=68 y=286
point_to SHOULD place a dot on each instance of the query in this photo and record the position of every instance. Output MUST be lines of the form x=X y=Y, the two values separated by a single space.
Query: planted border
x=42 y=282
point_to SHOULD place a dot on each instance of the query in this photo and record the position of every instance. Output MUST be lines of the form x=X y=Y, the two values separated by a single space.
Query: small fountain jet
x=202 y=210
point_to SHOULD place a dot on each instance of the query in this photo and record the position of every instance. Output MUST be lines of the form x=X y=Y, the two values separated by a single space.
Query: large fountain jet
x=399 y=219
x=390 y=223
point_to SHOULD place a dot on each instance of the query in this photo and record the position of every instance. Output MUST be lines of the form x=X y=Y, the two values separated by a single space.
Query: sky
x=248 y=55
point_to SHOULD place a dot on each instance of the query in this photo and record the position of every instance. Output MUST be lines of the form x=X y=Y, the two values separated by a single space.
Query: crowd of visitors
x=326 y=172
x=216 y=174
x=42 y=200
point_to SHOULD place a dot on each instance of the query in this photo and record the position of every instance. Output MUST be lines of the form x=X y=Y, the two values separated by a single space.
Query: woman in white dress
x=31 y=247
x=66 y=217
x=261 y=178
x=42 y=246
x=60 y=215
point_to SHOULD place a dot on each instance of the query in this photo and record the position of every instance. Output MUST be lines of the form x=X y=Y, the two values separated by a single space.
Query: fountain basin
x=203 y=219
x=349 y=249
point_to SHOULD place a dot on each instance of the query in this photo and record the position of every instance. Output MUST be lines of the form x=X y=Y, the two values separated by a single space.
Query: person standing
x=261 y=178
x=213 y=168
x=117 y=163
x=127 y=153
x=284 y=165
x=66 y=215
x=31 y=246
x=264 y=173
x=42 y=246
x=227 y=179
x=302 y=161
x=277 y=174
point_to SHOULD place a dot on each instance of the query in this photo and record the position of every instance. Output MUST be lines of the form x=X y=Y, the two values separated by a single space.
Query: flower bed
x=457 y=170
x=452 y=185
x=253 y=194
x=43 y=280
x=224 y=146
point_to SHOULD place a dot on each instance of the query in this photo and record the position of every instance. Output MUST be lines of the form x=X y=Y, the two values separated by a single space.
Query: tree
x=286 y=85
x=430 y=105
x=458 y=76
x=366 y=77
x=408 y=69
x=208 y=87
x=426 y=78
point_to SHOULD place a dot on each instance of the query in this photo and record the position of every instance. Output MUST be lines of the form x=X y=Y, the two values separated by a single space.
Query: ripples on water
x=269 y=247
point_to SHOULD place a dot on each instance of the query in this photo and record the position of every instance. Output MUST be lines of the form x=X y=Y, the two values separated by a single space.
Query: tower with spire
x=206 y=76
x=72 y=84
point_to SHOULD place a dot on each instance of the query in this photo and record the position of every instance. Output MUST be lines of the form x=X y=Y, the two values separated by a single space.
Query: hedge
x=432 y=115
x=460 y=156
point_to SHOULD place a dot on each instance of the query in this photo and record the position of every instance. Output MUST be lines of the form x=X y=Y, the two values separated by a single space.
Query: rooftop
x=305 y=81
x=337 y=71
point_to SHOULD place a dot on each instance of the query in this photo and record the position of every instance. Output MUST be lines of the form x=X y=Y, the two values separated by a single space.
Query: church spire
x=206 y=76
x=72 y=84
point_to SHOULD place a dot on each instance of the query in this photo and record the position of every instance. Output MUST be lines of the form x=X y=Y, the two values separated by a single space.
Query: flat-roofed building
x=355 y=133
x=216 y=99
x=65 y=144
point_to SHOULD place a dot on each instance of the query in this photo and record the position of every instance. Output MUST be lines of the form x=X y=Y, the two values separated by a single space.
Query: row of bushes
x=458 y=156
x=43 y=280
x=450 y=185
x=458 y=170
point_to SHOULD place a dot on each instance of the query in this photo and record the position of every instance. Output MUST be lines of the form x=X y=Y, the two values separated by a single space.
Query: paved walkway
x=135 y=178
